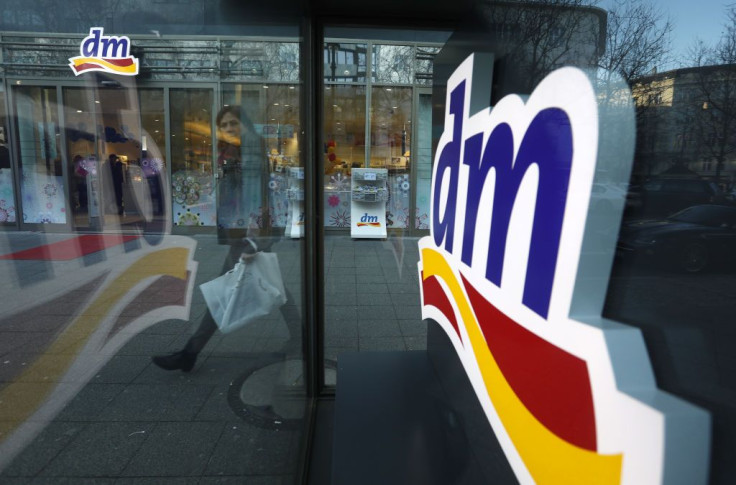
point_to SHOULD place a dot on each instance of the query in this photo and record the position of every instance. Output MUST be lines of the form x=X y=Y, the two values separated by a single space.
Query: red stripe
x=120 y=62
x=435 y=296
x=70 y=248
x=554 y=385
x=86 y=66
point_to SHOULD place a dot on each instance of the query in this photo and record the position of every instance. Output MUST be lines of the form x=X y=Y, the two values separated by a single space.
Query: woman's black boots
x=181 y=360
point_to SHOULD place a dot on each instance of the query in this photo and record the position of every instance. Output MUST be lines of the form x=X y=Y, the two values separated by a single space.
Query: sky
x=692 y=19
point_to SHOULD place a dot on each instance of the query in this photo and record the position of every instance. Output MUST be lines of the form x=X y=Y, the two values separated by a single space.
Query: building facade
x=145 y=145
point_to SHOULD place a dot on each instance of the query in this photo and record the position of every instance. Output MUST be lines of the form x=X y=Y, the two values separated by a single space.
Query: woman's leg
x=185 y=358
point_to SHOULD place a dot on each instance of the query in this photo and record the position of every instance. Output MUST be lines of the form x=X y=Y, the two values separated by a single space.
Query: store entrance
x=111 y=185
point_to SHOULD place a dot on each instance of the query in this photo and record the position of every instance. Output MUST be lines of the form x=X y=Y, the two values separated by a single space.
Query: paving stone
x=249 y=480
x=379 y=310
x=177 y=449
x=158 y=481
x=336 y=313
x=379 y=288
x=47 y=445
x=100 y=450
x=408 y=311
x=413 y=328
x=378 y=328
x=89 y=402
x=340 y=329
x=157 y=402
x=122 y=369
x=246 y=450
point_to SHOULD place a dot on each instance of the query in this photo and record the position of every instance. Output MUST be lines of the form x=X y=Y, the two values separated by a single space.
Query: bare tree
x=714 y=93
x=541 y=35
x=637 y=40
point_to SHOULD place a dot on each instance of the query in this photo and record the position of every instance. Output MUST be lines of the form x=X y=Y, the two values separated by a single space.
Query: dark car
x=689 y=240
x=664 y=196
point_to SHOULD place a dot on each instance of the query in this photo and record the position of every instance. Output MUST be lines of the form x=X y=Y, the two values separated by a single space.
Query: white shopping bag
x=250 y=290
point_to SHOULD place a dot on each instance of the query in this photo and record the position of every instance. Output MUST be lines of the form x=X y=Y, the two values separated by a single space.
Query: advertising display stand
x=368 y=208
x=295 y=194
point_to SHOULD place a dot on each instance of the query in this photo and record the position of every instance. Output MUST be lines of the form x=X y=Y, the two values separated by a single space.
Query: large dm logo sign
x=571 y=396
x=104 y=53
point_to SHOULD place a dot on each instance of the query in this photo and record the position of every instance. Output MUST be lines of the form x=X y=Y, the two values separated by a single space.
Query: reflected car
x=690 y=240
x=663 y=196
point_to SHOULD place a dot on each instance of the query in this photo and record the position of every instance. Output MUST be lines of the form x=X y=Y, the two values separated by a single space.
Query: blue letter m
x=548 y=144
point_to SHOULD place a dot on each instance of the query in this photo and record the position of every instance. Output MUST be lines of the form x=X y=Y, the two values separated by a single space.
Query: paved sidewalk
x=76 y=338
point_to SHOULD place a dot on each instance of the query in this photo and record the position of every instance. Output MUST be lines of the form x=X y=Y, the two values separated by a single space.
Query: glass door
x=376 y=157
x=8 y=216
x=422 y=157
x=40 y=158
x=192 y=147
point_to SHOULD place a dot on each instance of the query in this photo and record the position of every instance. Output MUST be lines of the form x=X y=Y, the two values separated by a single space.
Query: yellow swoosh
x=21 y=398
x=549 y=458
x=78 y=61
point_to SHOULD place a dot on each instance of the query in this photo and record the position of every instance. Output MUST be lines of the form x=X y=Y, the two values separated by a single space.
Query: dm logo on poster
x=515 y=270
x=105 y=53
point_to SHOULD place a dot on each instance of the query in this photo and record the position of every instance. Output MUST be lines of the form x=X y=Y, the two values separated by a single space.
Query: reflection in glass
x=371 y=289
x=423 y=159
x=82 y=156
x=391 y=148
x=424 y=63
x=274 y=111
x=7 y=193
x=191 y=157
x=42 y=181
x=345 y=62
x=153 y=148
x=392 y=64
x=344 y=148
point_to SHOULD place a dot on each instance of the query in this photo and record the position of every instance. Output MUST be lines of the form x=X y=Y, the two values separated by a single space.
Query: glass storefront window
x=393 y=64
x=344 y=148
x=371 y=292
x=82 y=155
x=390 y=148
x=190 y=137
x=423 y=158
x=40 y=162
x=108 y=164
x=345 y=62
x=274 y=110
x=153 y=151
x=423 y=64
x=7 y=190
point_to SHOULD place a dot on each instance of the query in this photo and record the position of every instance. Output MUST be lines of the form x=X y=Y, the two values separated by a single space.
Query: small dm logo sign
x=506 y=272
x=367 y=220
x=104 y=53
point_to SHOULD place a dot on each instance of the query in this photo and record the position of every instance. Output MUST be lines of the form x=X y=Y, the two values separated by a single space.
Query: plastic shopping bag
x=250 y=290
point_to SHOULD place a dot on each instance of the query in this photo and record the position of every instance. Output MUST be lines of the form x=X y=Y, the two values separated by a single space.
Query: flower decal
x=340 y=219
x=333 y=200
x=188 y=218
x=50 y=190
